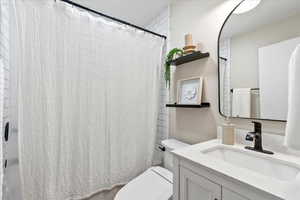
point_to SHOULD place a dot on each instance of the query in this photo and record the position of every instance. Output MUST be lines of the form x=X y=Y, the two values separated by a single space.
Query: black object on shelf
x=189 y=58
x=252 y=89
x=202 y=105
x=162 y=148
x=6 y=131
x=222 y=58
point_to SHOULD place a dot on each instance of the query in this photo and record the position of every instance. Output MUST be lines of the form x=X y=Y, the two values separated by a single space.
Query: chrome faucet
x=256 y=136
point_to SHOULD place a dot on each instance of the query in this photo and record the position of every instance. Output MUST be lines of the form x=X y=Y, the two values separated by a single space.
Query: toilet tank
x=170 y=145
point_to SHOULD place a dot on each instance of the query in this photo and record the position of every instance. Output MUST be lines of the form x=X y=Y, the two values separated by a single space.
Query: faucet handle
x=249 y=137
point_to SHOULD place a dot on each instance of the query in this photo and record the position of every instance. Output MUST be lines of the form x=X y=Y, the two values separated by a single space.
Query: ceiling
x=267 y=12
x=138 y=12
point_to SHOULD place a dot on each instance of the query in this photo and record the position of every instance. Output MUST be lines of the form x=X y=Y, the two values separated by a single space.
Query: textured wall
x=11 y=185
x=4 y=80
x=4 y=74
x=161 y=25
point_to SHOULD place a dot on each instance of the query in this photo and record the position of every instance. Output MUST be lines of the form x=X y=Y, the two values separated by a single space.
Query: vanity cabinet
x=229 y=195
x=193 y=182
x=195 y=187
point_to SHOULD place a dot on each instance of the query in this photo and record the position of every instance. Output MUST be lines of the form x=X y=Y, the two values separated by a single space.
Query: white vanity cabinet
x=195 y=187
x=229 y=195
x=193 y=182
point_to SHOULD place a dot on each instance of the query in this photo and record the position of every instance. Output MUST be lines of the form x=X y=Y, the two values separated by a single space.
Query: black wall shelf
x=189 y=58
x=175 y=105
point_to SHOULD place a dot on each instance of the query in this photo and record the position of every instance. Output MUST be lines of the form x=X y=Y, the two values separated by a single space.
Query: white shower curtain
x=88 y=100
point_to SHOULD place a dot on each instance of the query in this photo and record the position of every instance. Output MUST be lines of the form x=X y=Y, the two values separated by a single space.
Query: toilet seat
x=154 y=184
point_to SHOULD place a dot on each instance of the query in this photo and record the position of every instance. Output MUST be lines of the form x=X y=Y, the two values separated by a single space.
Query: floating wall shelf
x=175 y=105
x=189 y=58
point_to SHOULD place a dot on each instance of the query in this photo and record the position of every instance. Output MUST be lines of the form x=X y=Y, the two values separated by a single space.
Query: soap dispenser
x=228 y=135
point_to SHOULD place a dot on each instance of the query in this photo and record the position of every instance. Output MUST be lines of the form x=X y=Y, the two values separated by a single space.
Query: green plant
x=171 y=55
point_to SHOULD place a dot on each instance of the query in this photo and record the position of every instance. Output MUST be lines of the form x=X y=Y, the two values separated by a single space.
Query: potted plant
x=171 y=56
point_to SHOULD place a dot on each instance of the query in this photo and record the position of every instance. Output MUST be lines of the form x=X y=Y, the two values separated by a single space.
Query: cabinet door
x=230 y=195
x=195 y=187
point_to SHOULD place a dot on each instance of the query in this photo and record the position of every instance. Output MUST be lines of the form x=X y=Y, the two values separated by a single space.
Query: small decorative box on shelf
x=189 y=58
x=202 y=105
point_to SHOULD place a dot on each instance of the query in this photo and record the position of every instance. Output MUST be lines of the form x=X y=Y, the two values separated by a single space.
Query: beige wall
x=244 y=49
x=203 y=19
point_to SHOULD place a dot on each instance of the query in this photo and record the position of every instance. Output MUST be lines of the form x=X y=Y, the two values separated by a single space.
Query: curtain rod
x=113 y=18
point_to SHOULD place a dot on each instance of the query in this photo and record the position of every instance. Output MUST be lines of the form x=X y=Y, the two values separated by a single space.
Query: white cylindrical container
x=188 y=39
x=228 y=133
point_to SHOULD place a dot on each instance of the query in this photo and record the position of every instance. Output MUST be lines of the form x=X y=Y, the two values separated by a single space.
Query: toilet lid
x=153 y=184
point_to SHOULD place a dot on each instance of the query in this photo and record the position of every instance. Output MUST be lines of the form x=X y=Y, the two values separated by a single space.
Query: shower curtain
x=88 y=93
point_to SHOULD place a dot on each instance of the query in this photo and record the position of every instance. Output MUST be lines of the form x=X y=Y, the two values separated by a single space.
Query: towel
x=241 y=102
x=292 y=137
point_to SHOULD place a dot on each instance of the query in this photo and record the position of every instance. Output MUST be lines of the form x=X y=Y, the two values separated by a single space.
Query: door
x=196 y=187
x=229 y=195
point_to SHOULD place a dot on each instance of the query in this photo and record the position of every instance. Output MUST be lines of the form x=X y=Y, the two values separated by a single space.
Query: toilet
x=156 y=183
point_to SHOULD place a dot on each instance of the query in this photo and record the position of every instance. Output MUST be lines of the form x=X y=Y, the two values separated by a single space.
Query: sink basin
x=257 y=162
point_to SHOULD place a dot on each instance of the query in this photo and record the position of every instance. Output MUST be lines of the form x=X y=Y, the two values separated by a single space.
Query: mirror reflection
x=255 y=47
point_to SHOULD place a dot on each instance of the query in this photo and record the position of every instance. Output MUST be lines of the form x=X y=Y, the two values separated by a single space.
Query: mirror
x=255 y=46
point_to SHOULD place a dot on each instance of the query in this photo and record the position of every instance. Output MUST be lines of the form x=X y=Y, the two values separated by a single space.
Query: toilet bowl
x=156 y=183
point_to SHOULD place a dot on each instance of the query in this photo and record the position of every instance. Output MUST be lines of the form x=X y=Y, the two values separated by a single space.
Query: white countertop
x=267 y=184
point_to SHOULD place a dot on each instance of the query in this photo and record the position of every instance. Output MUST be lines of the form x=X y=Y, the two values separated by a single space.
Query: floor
x=108 y=195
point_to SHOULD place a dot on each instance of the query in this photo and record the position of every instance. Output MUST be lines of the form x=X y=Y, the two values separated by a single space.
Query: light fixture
x=246 y=6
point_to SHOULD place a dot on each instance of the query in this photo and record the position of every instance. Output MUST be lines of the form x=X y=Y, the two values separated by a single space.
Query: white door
x=195 y=187
x=229 y=195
